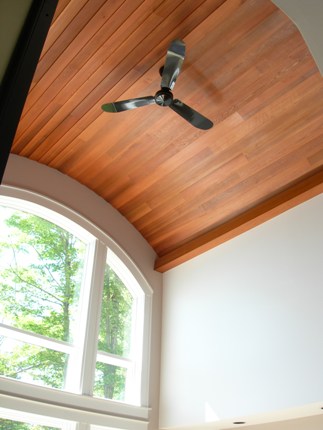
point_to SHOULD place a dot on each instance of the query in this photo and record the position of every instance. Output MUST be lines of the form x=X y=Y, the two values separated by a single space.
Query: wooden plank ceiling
x=246 y=68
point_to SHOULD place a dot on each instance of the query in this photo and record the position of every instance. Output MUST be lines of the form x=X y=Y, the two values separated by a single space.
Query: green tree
x=13 y=425
x=39 y=290
x=114 y=335
x=17 y=425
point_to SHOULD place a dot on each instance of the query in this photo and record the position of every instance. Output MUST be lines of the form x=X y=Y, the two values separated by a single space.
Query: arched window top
x=74 y=222
x=76 y=308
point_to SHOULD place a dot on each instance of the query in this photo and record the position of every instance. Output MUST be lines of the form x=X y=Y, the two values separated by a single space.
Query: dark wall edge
x=20 y=72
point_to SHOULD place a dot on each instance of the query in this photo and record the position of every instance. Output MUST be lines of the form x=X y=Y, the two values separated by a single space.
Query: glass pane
x=18 y=425
x=41 y=268
x=30 y=363
x=110 y=381
x=116 y=316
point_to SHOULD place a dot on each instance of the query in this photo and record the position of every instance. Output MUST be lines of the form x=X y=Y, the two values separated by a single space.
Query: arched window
x=73 y=310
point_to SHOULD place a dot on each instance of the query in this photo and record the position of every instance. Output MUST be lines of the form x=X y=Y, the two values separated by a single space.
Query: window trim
x=77 y=410
x=27 y=417
x=35 y=339
x=45 y=394
x=82 y=221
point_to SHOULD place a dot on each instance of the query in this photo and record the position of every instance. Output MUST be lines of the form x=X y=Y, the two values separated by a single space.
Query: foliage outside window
x=46 y=288
x=6 y=424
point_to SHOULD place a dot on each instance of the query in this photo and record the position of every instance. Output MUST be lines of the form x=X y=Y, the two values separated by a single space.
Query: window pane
x=116 y=316
x=41 y=268
x=17 y=425
x=110 y=381
x=30 y=363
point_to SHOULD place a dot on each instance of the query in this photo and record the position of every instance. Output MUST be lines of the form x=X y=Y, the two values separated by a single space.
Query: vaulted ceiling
x=246 y=68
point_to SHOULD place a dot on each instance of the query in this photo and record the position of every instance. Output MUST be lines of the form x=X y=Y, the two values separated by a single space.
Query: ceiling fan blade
x=128 y=104
x=193 y=117
x=174 y=60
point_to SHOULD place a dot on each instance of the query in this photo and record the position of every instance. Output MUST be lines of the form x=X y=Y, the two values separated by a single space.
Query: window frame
x=101 y=246
x=27 y=417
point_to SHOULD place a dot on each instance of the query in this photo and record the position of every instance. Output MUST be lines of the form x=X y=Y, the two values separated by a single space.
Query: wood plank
x=66 y=11
x=183 y=10
x=75 y=65
x=296 y=194
x=235 y=144
x=82 y=13
x=88 y=95
x=223 y=205
x=126 y=197
x=246 y=68
x=63 y=131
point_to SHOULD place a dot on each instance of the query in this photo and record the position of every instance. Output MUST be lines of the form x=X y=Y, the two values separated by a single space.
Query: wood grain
x=297 y=193
x=246 y=68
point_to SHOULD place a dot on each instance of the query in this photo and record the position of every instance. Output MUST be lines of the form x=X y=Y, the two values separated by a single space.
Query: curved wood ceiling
x=247 y=69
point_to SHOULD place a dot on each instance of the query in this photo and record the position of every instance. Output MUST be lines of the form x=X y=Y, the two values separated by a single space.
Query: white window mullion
x=34 y=339
x=114 y=360
x=75 y=363
x=93 y=319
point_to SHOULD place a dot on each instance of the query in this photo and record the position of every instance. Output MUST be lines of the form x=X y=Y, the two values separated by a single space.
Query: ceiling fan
x=164 y=97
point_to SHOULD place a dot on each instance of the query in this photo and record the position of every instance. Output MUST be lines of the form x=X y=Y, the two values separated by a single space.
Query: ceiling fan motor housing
x=164 y=97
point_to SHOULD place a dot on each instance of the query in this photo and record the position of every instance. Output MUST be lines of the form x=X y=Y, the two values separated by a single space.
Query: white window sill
x=76 y=407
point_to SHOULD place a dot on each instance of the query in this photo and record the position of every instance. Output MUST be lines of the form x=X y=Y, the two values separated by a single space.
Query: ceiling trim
x=304 y=189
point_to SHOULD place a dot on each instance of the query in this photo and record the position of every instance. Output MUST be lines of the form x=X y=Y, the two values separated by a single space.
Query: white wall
x=242 y=324
x=33 y=176
x=307 y=15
